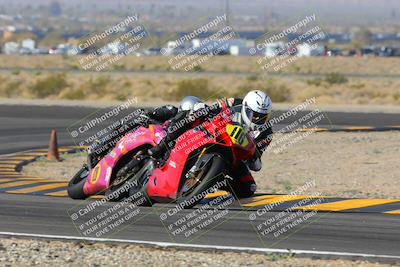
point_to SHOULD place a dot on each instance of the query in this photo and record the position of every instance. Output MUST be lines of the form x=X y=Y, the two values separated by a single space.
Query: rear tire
x=75 y=186
x=113 y=191
x=213 y=175
x=146 y=202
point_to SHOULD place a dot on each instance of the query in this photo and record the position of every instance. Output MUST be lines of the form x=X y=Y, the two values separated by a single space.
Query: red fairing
x=164 y=182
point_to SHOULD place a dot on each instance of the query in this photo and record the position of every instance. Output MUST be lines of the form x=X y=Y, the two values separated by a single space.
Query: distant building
x=236 y=50
x=207 y=46
x=173 y=48
x=240 y=47
x=28 y=44
x=11 y=28
x=110 y=49
x=307 y=50
x=115 y=48
x=202 y=46
x=11 y=48
x=64 y=49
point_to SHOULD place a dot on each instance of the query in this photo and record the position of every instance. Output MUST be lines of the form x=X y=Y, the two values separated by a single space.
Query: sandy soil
x=63 y=170
x=341 y=164
x=18 y=252
x=345 y=65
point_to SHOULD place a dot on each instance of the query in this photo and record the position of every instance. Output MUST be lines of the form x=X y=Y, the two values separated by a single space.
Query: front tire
x=209 y=179
x=75 y=186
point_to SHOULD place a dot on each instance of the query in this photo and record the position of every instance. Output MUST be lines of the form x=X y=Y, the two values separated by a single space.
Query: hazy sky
x=331 y=12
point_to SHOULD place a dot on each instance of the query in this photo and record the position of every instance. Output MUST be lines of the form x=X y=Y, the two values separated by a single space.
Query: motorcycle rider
x=167 y=112
x=159 y=115
x=253 y=111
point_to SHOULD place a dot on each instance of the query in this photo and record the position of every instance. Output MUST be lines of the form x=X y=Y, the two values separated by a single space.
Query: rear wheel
x=194 y=189
x=132 y=174
x=125 y=174
x=75 y=186
x=140 y=196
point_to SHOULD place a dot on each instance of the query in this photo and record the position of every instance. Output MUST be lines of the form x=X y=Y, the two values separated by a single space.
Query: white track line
x=207 y=247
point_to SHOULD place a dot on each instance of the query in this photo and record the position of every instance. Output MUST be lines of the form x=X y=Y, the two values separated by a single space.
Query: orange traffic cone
x=52 y=154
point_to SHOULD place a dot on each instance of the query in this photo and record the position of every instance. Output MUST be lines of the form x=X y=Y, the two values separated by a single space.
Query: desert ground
x=310 y=65
x=374 y=81
x=48 y=253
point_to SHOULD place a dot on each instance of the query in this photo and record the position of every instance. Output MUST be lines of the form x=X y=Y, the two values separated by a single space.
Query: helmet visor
x=249 y=113
x=259 y=118
x=188 y=103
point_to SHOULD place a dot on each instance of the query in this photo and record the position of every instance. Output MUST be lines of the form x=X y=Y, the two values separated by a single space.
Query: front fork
x=198 y=168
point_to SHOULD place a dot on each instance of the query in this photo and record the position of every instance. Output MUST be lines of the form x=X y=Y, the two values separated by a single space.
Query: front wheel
x=75 y=186
x=192 y=192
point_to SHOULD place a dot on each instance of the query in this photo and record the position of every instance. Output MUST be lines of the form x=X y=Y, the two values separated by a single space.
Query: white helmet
x=189 y=103
x=256 y=108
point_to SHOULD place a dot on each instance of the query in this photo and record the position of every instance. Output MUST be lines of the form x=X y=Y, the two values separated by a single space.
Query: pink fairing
x=99 y=177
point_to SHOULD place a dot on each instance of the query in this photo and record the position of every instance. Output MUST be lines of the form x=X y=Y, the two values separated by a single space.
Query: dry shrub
x=277 y=92
x=73 y=94
x=51 y=85
x=335 y=78
x=195 y=87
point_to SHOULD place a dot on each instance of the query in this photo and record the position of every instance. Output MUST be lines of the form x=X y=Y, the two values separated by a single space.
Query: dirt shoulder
x=20 y=252
x=341 y=164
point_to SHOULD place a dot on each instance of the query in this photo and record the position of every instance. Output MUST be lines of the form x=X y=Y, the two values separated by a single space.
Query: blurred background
x=354 y=61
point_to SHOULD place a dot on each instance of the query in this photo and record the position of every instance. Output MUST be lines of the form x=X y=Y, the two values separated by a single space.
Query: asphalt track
x=339 y=232
x=28 y=127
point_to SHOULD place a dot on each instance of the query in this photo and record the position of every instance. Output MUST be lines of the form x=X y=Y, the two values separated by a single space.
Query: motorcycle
x=202 y=158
